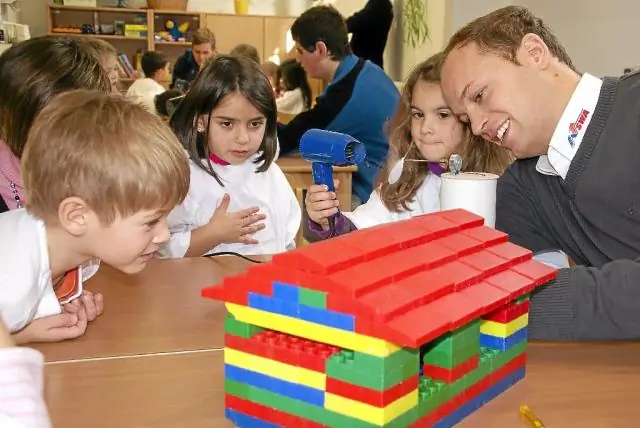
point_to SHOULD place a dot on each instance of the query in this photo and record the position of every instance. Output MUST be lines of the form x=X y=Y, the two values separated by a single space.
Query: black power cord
x=231 y=253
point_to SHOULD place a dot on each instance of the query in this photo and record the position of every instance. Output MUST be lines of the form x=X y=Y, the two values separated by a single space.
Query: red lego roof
x=406 y=282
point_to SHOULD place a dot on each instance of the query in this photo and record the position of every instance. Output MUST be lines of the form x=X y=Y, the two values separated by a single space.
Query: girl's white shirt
x=291 y=102
x=373 y=212
x=269 y=191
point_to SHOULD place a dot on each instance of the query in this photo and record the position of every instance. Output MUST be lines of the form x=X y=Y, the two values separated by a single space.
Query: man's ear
x=322 y=50
x=534 y=51
x=74 y=215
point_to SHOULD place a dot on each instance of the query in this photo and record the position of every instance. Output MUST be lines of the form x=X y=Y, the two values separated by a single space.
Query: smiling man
x=574 y=189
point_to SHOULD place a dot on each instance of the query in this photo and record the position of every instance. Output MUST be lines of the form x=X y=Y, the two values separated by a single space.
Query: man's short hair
x=501 y=32
x=152 y=61
x=246 y=50
x=322 y=24
x=202 y=36
x=110 y=152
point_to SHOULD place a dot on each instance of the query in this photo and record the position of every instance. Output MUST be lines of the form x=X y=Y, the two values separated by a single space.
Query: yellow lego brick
x=311 y=331
x=275 y=369
x=368 y=413
x=501 y=330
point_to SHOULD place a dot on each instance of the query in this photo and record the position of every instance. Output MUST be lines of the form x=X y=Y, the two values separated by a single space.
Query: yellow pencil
x=530 y=417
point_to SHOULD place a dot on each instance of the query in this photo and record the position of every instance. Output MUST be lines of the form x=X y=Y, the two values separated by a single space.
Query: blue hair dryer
x=326 y=149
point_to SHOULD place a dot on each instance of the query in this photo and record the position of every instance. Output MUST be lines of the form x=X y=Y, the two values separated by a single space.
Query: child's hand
x=237 y=227
x=93 y=305
x=321 y=203
x=54 y=328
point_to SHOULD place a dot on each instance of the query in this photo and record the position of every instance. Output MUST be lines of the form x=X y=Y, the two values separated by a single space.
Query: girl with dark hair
x=239 y=199
x=293 y=86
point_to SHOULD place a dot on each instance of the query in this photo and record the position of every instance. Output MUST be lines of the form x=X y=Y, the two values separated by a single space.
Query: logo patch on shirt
x=576 y=127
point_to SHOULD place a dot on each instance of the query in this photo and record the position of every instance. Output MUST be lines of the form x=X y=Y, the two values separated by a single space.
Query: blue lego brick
x=486 y=396
x=503 y=344
x=241 y=420
x=275 y=306
x=307 y=313
x=278 y=386
x=288 y=292
x=326 y=317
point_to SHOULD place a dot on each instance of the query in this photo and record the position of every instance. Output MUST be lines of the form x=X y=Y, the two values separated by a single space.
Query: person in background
x=246 y=50
x=358 y=101
x=203 y=46
x=293 y=87
x=270 y=68
x=22 y=402
x=424 y=131
x=108 y=58
x=239 y=199
x=369 y=30
x=100 y=176
x=574 y=190
x=155 y=67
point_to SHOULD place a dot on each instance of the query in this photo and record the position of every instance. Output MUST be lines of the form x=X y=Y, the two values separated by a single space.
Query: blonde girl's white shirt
x=269 y=191
x=26 y=288
x=291 y=102
x=373 y=212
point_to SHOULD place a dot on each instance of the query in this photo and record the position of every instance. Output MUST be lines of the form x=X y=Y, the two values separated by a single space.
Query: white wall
x=601 y=37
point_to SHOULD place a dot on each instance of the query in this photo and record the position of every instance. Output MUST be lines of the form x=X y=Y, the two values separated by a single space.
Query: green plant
x=414 y=22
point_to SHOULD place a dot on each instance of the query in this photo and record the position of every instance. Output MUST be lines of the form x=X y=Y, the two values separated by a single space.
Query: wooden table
x=158 y=310
x=167 y=371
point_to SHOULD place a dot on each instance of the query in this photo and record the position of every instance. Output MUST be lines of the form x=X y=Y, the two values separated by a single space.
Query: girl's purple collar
x=218 y=161
x=436 y=168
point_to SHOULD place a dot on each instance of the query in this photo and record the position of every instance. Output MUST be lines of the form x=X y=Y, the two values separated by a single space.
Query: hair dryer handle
x=323 y=174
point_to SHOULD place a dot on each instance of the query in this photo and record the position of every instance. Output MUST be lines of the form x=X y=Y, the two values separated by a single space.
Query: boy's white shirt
x=26 y=288
x=373 y=212
x=144 y=91
x=269 y=191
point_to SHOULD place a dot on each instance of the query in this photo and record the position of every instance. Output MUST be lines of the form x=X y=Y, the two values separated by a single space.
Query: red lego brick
x=438 y=225
x=411 y=233
x=510 y=251
x=461 y=244
x=460 y=274
x=416 y=327
x=513 y=283
x=460 y=310
x=369 y=276
x=487 y=235
x=373 y=243
x=370 y=396
x=508 y=312
x=324 y=257
x=453 y=374
x=285 y=349
x=406 y=294
x=486 y=296
x=463 y=218
x=537 y=271
x=275 y=417
x=486 y=262
x=235 y=289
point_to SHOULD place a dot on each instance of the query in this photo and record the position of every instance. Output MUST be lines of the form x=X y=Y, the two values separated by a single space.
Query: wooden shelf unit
x=76 y=16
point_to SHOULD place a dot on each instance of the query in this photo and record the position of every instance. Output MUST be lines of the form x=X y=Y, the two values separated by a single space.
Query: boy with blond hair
x=101 y=175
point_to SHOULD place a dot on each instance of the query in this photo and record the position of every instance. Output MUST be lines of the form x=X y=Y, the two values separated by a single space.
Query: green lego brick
x=523 y=298
x=313 y=298
x=455 y=347
x=373 y=372
x=238 y=328
x=295 y=407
